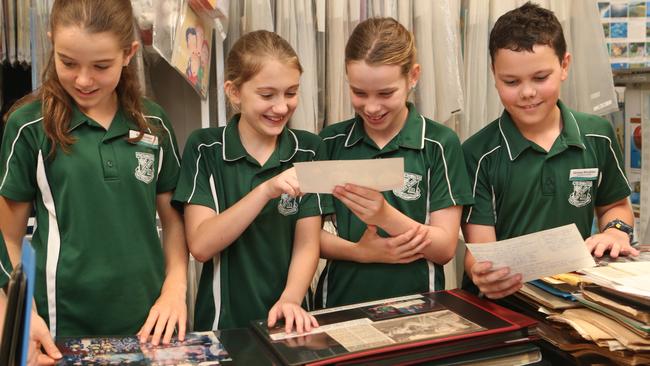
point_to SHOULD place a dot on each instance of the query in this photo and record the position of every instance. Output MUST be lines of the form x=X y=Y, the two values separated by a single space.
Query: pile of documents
x=606 y=308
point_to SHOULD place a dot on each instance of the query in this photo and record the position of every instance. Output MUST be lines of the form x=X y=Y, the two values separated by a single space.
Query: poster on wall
x=626 y=25
x=192 y=49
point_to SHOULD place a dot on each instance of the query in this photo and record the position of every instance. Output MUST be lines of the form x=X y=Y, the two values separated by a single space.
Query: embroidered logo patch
x=410 y=191
x=581 y=195
x=287 y=205
x=144 y=170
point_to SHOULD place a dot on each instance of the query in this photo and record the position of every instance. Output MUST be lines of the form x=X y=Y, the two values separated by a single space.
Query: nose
x=281 y=107
x=372 y=107
x=84 y=78
x=528 y=91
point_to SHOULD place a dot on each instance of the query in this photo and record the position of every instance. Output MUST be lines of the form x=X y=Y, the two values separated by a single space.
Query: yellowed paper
x=544 y=253
x=378 y=174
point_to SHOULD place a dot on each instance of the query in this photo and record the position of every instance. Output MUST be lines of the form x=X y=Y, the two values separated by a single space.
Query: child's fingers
x=169 y=330
x=182 y=321
x=160 y=327
x=299 y=320
x=288 y=320
x=314 y=322
x=273 y=317
x=145 y=331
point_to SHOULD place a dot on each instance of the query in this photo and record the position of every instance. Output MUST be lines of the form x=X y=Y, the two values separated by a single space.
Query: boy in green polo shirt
x=540 y=165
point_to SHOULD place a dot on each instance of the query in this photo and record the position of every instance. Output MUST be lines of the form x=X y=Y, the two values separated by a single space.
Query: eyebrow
x=385 y=90
x=534 y=73
x=272 y=88
x=62 y=55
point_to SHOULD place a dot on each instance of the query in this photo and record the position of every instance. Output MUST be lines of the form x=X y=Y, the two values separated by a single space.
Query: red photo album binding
x=417 y=327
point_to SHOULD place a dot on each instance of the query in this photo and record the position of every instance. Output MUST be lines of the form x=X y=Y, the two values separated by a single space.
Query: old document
x=378 y=174
x=544 y=253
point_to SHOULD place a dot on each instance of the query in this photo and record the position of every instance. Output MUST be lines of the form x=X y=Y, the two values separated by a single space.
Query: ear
x=566 y=62
x=130 y=52
x=233 y=93
x=414 y=75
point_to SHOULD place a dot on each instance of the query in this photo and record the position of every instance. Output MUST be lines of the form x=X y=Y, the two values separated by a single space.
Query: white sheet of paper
x=323 y=176
x=544 y=253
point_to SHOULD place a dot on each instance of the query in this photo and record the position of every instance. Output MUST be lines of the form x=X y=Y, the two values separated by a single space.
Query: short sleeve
x=18 y=160
x=194 y=182
x=448 y=181
x=170 y=160
x=613 y=183
x=482 y=211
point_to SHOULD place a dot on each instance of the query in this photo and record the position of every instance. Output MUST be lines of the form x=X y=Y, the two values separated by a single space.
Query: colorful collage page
x=201 y=348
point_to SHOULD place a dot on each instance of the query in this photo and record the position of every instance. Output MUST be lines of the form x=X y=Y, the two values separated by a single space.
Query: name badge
x=583 y=174
x=147 y=140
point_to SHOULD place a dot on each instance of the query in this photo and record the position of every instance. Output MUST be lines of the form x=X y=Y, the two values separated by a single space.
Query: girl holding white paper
x=392 y=243
x=245 y=216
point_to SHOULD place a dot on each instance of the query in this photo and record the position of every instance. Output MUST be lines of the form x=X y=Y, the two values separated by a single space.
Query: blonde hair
x=251 y=51
x=93 y=16
x=382 y=41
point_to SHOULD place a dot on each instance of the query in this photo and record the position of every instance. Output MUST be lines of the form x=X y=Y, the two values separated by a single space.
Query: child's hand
x=369 y=205
x=292 y=313
x=286 y=182
x=616 y=241
x=40 y=336
x=404 y=248
x=169 y=310
x=495 y=284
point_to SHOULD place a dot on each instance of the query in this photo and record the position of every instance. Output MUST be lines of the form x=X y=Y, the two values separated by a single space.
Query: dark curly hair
x=526 y=26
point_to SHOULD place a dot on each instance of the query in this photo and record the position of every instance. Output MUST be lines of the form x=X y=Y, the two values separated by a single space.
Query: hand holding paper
x=544 y=253
x=377 y=174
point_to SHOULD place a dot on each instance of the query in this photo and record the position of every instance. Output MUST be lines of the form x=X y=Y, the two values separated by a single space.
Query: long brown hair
x=93 y=16
x=382 y=41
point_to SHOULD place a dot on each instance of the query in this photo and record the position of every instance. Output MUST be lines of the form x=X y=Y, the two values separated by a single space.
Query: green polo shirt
x=434 y=178
x=99 y=262
x=519 y=188
x=242 y=282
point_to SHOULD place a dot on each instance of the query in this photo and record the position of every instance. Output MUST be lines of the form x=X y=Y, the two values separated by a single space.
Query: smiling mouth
x=376 y=118
x=82 y=92
x=531 y=106
x=275 y=119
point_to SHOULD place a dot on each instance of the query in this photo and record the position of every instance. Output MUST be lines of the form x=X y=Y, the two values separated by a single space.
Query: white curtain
x=436 y=26
x=295 y=22
x=257 y=15
x=342 y=17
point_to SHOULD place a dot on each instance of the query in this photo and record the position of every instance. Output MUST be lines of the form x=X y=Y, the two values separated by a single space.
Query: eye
x=266 y=96
x=541 y=78
x=67 y=64
x=386 y=94
x=358 y=93
x=510 y=82
x=291 y=94
x=102 y=67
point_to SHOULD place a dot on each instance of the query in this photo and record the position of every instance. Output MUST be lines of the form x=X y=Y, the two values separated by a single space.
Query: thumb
x=371 y=229
x=50 y=348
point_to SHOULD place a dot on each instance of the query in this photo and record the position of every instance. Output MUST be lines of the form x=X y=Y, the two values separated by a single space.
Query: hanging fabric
x=342 y=17
x=590 y=86
x=439 y=92
x=295 y=23
x=257 y=15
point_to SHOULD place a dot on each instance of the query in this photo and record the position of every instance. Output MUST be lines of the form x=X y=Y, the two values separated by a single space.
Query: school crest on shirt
x=410 y=191
x=581 y=195
x=287 y=205
x=144 y=170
